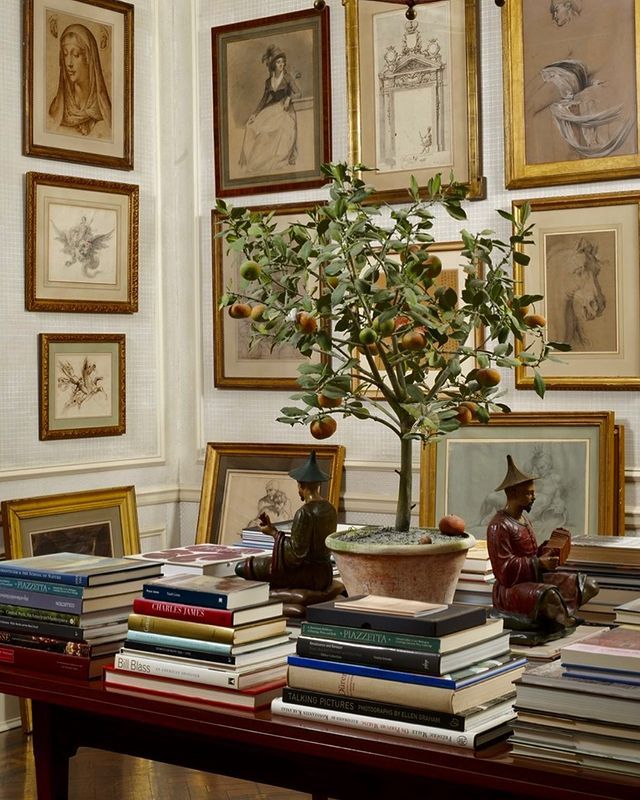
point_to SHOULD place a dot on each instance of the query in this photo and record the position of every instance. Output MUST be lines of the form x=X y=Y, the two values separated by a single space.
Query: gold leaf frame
x=467 y=161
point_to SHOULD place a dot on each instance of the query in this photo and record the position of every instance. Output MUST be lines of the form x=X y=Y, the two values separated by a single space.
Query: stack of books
x=475 y=584
x=442 y=674
x=628 y=614
x=614 y=561
x=584 y=709
x=203 y=641
x=66 y=613
x=202 y=559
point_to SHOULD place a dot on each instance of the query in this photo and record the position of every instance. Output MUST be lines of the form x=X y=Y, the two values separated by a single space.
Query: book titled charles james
x=423 y=619
x=207 y=590
x=78 y=569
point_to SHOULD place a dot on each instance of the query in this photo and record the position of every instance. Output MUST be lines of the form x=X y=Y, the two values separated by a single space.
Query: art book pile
x=66 y=613
x=439 y=674
x=202 y=559
x=614 y=561
x=584 y=709
x=203 y=641
x=475 y=584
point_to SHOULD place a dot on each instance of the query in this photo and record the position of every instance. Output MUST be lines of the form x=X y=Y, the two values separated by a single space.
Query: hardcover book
x=624 y=550
x=211 y=633
x=426 y=644
x=279 y=646
x=395 y=658
x=389 y=605
x=475 y=673
x=471 y=718
x=614 y=648
x=487 y=733
x=207 y=590
x=211 y=616
x=78 y=569
x=83 y=667
x=455 y=617
x=201 y=559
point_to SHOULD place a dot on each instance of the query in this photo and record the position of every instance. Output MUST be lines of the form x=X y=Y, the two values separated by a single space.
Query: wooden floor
x=96 y=775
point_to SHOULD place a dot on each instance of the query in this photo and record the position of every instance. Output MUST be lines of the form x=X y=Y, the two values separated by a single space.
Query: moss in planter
x=392 y=536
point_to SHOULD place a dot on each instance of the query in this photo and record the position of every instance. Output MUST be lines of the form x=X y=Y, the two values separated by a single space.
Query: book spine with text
x=42 y=575
x=192 y=597
x=41 y=628
x=384 y=657
x=179 y=641
x=39 y=614
x=378 y=725
x=46 y=661
x=158 y=608
x=180 y=652
x=41 y=587
x=177 y=670
x=183 y=628
x=427 y=644
x=50 y=602
x=371 y=708
x=50 y=643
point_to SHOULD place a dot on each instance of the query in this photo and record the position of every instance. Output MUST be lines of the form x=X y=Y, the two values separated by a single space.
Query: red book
x=187 y=693
x=47 y=661
x=211 y=616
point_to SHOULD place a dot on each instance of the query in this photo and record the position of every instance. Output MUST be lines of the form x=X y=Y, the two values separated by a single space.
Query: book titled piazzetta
x=207 y=590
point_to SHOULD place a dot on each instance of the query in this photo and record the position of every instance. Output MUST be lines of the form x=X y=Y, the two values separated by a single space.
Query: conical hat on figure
x=514 y=476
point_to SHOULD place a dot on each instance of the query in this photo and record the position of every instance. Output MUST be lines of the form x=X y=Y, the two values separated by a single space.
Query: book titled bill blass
x=226 y=592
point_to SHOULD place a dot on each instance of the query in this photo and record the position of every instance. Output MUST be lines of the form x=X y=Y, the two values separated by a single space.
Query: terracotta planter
x=427 y=572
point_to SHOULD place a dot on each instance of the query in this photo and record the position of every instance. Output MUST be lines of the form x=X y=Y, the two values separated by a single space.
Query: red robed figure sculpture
x=537 y=601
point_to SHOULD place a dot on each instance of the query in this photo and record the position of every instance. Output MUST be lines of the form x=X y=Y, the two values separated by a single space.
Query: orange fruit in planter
x=451 y=525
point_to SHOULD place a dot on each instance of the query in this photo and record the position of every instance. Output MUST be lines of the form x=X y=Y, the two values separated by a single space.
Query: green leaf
x=538 y=383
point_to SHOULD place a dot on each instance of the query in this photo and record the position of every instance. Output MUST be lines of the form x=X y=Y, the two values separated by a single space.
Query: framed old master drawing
x=271 y=103
x=571 y=73
x=82 y=385
x=240 y=363
x=78 y=81
x=81 y=247
x=572 y=452
x=242 y=480
x=414 y=94
x=584 y=261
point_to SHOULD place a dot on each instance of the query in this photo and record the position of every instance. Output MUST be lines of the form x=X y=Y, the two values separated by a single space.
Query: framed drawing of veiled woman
x=271 y=103
x=78 y=81
x=414 y=94
x=571 y=84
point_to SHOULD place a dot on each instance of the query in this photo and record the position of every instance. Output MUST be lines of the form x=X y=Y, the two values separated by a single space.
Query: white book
x=193 y=673
x=426 y=733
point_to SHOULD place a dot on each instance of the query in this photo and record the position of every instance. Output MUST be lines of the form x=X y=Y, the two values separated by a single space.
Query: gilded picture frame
x=82 y=385
x=81 y=245
x=101 y=522
x=572 y=452
x=271 y=80
x=571 y=91
x=584 y=261
x=239 y=364
x=78 y=81
x=395 y=66
x=240 y=480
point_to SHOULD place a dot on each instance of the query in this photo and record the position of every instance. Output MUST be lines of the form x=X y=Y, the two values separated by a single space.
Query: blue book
x=41 y=587
x=50 y=602
x=77 y=569
x=454 y=680
x=147 y=637
x=210 y=591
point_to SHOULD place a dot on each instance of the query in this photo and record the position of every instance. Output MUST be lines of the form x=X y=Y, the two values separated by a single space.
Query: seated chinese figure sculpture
x=530 y=593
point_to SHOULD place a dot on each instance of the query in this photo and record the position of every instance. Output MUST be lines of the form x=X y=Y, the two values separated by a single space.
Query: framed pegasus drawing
x=584 y=253
x=81 y=245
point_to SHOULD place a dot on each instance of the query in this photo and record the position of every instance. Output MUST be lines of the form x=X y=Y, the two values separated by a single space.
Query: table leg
x=51 y=748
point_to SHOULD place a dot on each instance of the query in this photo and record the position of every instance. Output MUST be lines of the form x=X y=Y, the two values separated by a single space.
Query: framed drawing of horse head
x=584 y=262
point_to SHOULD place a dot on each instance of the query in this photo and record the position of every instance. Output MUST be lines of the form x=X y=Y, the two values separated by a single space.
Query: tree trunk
x=403 y=508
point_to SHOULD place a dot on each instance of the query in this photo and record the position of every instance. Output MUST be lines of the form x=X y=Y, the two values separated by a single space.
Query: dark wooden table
x=321 y=760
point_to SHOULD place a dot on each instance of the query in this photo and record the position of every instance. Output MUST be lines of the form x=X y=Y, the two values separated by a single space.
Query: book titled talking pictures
x=206 y=590
x=438 y=622
x=78 y=569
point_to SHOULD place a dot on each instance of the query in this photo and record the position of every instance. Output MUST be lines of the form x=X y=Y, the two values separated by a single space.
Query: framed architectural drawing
x=78 y=81
x=271 y=103
x=239 y=363
x=396 y=66
x=571 y=72
x=584 y=261
x=82 y=385
x=573 y=452
x=81 y=246
x=242 y=480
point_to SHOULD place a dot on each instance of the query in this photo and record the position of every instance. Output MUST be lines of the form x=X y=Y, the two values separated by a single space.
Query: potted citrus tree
x=357 y=293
